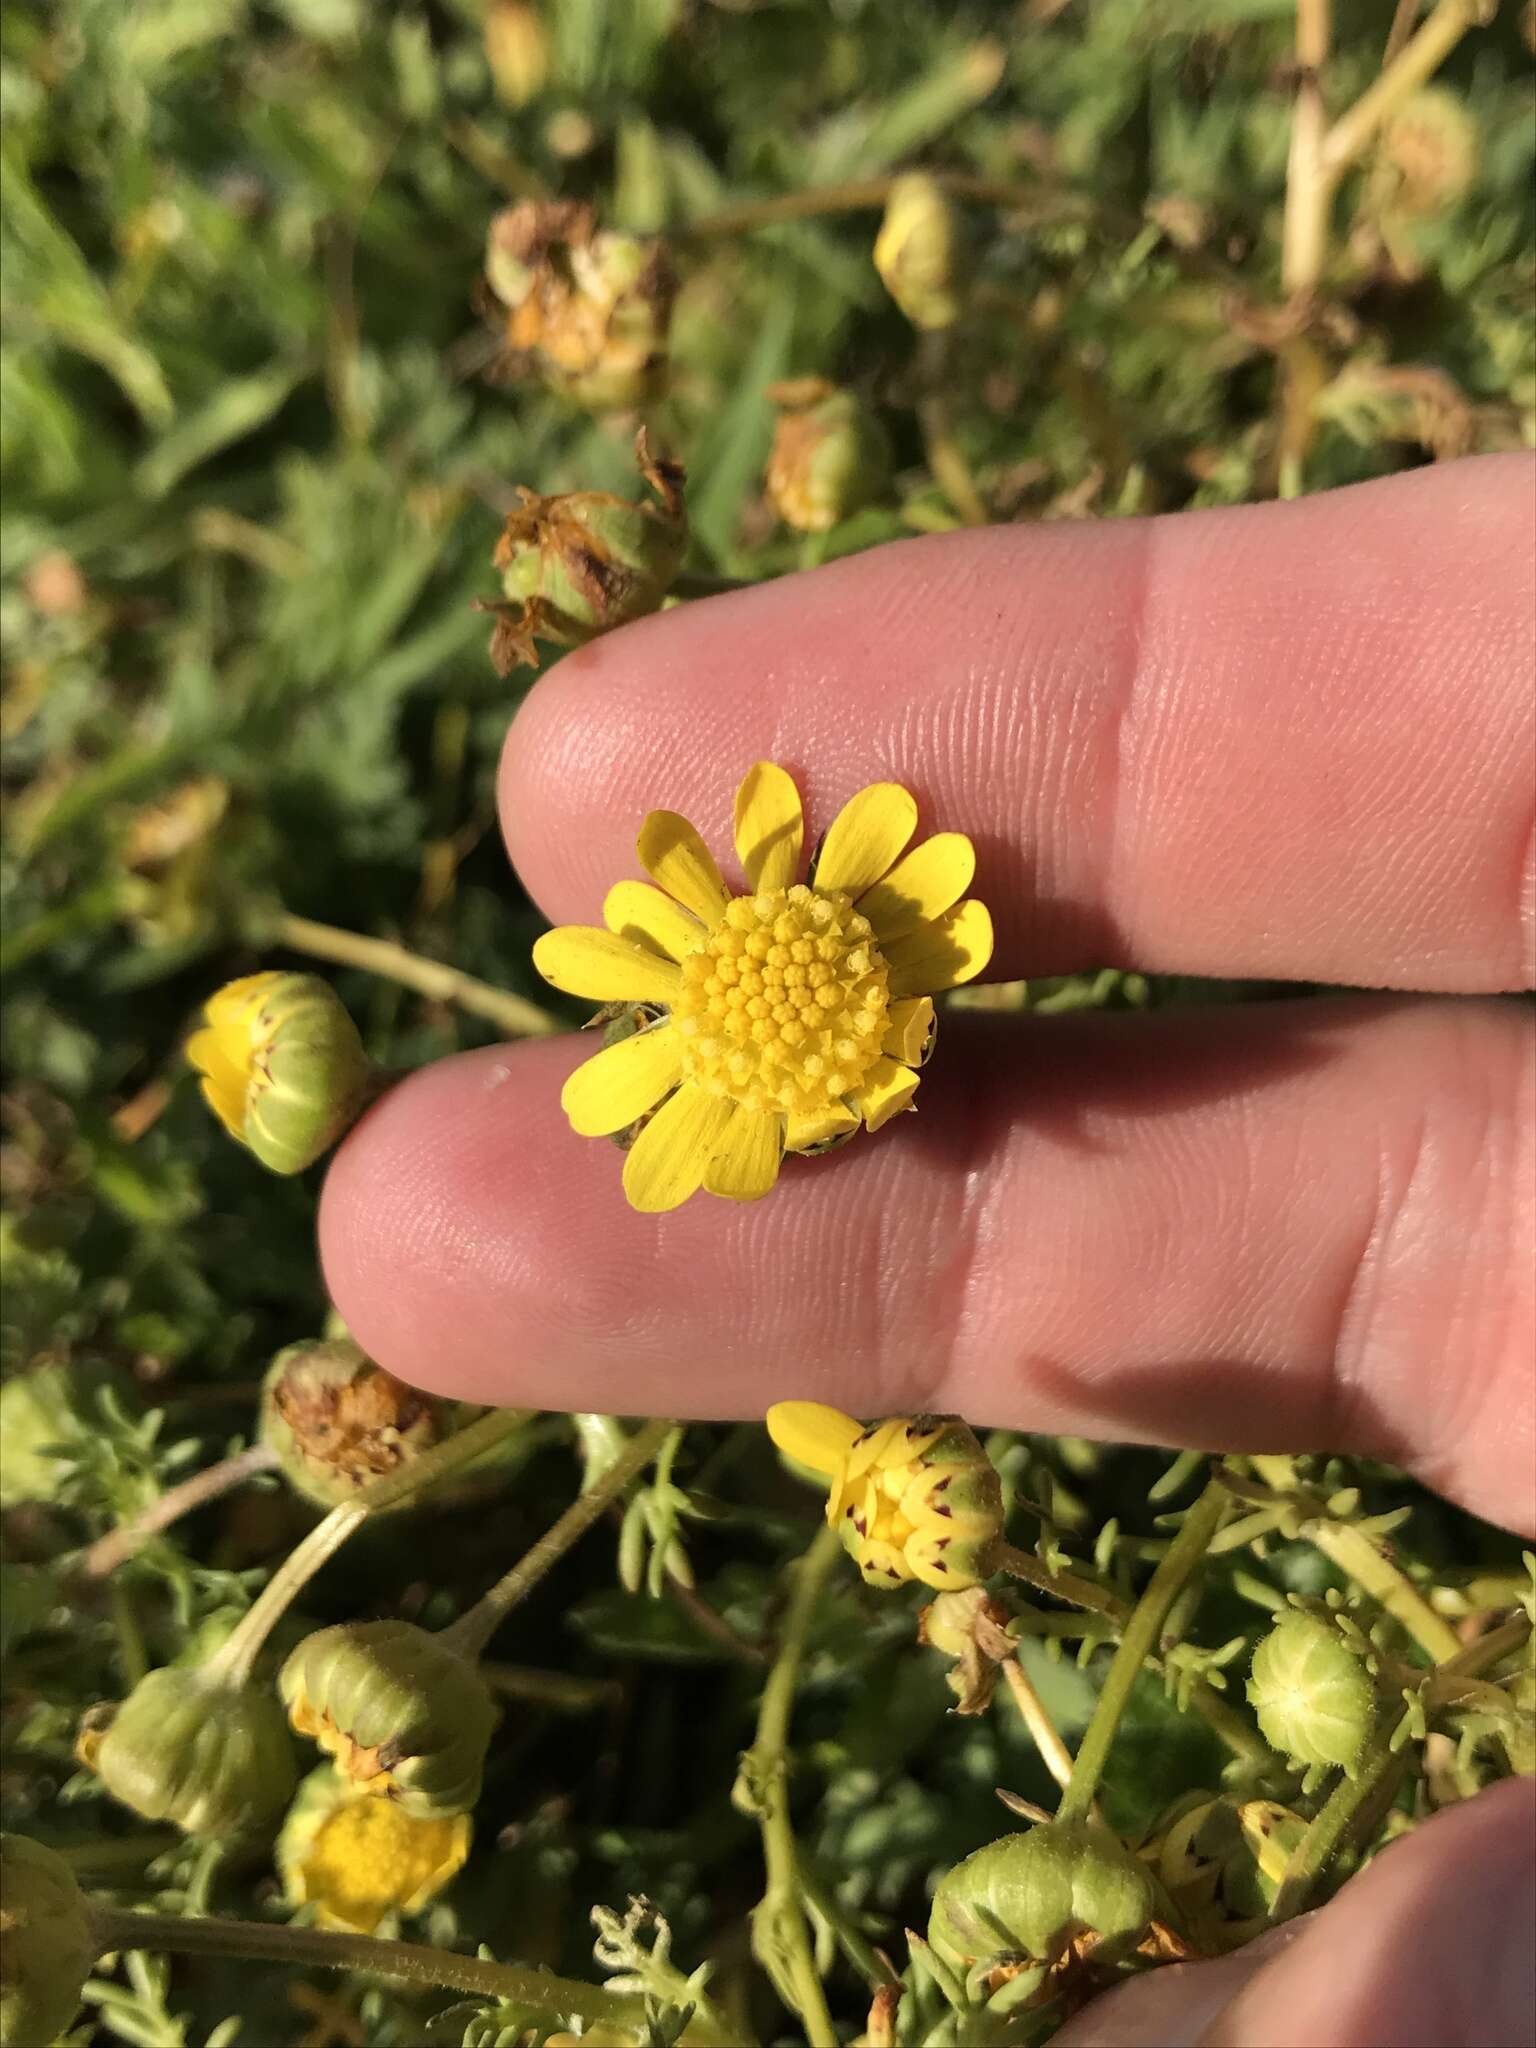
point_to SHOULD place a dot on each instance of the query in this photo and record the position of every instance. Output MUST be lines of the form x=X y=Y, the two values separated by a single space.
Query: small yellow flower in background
x=779 y=1021
x=283 y=1068
x=356 y=1859
x=914 y=1497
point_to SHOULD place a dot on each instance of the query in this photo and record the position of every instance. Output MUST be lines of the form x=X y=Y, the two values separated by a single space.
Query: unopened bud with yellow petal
x=1039 y=1894
x=356 y=1860
x=335 y=1420
x=829 y=458
x=283 y=1067
x=587 y=309
x=580 y=563
x=921 y=251
x=404 y=1717
x=1311 y=1693
x=517 y=50
x=47 y=1948
x=914 y=1497
x=213 y=1758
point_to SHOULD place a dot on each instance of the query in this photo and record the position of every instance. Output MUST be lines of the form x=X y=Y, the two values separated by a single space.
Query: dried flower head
x=216 y=1759
x=829 y=458
x=47 y=1948
x=914 y=1497
x=582 y=562
x=587 y=308
x=920 y=251
x=777 y=1021
x=283 y=1068
x=356 y=1860
x=337 y=1420
x=404 y=1717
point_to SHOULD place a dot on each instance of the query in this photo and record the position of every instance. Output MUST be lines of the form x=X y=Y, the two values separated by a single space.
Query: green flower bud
x=921 y=252
x=404 y=1717
x=213 y=1758
x=1311 y=1693
x=283 y=1068
x=1037 y=1894
x=336 y=1420
x=46 y=1944
x=579 y=564
x=587 y=309
x=829 y=458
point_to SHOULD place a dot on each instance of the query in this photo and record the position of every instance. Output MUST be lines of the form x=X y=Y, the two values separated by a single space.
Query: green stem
x=1317 y=1847
x=1137 y=1644
x=559 y=1690
x=405 y=1961
x=1077 y=1592
x=468 y=1636
x=232 y=1662
x=514 y=1014
x=765 y=1771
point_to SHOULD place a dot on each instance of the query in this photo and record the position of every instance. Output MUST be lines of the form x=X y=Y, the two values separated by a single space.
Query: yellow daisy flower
x=356 y=1859
x=777 y=1021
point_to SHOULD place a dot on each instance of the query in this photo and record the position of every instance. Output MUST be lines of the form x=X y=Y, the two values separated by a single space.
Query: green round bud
x=215 y=1759
x=829 y=458
x=283 y=1067
x=1036 y=1894
x=404 y=1717
x=1311 y=1693
x=921 y=252
x=46 y=1944
x=335 y=1420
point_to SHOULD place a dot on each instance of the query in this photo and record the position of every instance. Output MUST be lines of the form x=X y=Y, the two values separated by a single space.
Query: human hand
x=1293 y=741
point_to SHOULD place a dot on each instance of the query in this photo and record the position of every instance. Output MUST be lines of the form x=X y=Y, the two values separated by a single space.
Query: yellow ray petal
x=770 y=826
x=666 y=1163
x=232 y=1006
x=746 y=1165
x=908 y=1028
x=953 y=949
x=812 y=1434
x=587 y=962
x=924 y=885
x=674 y=855
x=643 y=915
x=622 y=1082
x=886 y=1090
x=865 y=837
x=836 y=1121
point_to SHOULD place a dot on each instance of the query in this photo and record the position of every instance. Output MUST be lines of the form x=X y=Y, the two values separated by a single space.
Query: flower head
x=216 y=1759
x=283 y=1068
x=829 y=457
x=48 y=1948
x=1043 y=1895
x=356 y=1859
x=781 y=1020
x=914 y=1497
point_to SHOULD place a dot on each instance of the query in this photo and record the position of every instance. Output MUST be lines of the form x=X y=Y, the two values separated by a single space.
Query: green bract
x=47 y=1948
x=1311 y=1692
x=1033 y=1894
x=216 y=1759
x=403 y=1716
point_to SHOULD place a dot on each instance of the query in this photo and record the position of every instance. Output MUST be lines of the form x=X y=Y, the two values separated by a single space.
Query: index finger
x=1291 y=740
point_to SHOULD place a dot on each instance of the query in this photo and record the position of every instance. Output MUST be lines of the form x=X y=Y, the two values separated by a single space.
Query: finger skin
x=1293 y=740
x=1430 y=1947
x=1287 y=1226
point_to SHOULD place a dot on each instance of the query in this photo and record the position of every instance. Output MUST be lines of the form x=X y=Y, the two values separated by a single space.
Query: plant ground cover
x=260 y=436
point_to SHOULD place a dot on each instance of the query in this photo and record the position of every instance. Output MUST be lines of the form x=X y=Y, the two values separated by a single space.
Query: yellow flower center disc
x=784 y=1006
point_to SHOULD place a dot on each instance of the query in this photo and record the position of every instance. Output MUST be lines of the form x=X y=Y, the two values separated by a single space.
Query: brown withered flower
x=337 y=1420
x=829 y=458
x=577 y=564
x=587 y=309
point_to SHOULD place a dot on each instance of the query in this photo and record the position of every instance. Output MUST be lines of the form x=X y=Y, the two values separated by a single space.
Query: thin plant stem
x=1054 y=1753
x=513 y=1014
x=119 y=1544
x=765 y=1771
x=232 y=1662
x=1318 y=1846
x=1137 y=1644
x=559 y=1690
x=1077 y=1592
x=468 y=1636
x=1414 y=64
x=405 y=1961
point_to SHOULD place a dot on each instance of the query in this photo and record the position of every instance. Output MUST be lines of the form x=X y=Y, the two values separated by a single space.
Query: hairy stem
x=405 y=1961
x=765 y=1769
x=469 y=1635
x=119 y=1544
x=1318 y=1846
x=514 y=1014
x=1137 y=1644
